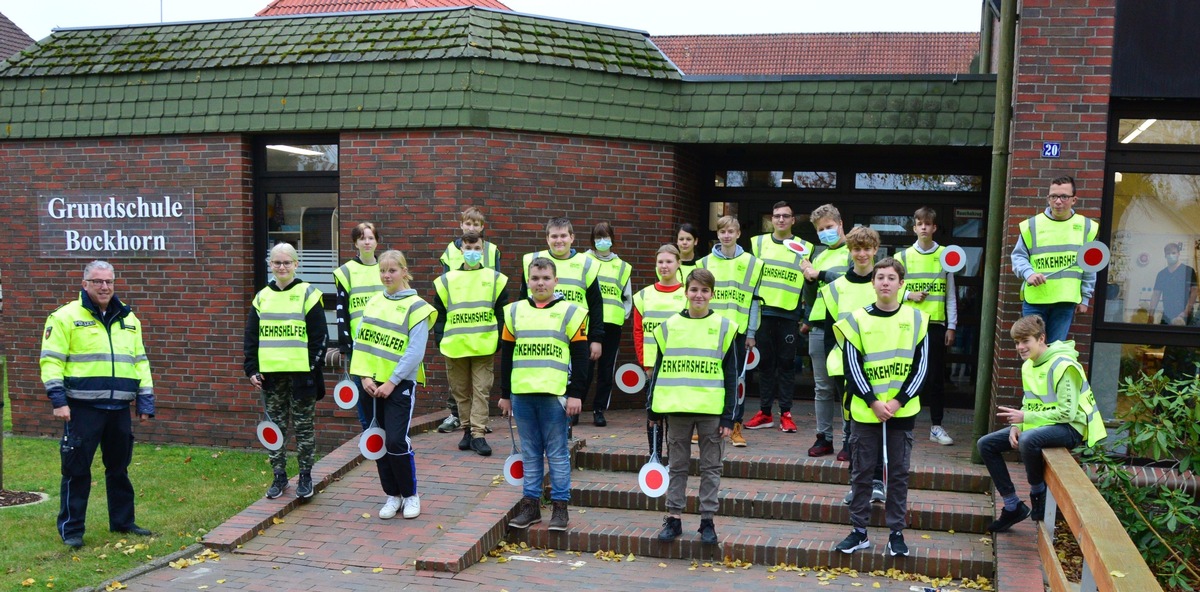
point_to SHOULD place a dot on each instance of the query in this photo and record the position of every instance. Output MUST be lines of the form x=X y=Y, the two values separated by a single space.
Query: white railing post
x=1087 y=583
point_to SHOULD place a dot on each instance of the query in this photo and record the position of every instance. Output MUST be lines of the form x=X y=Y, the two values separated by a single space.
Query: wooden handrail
x=1112 y=562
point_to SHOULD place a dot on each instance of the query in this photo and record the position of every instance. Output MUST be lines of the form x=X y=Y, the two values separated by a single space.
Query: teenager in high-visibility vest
x=686 y=240
x=931 y=289
x=737 y=274
x=827 y=265
x=357 y=281
x=1057 y=410
x=470 y=303
x=389 y=354
x=472 y=220
x=93 y=364
x=543 y=349
x=577 y=275
x=885 y=358
x=613 y=279
x=695 y=390
x=841 y=297
x=651 y=306
x=284 y=344
x=782 y=310
x=1055 y=287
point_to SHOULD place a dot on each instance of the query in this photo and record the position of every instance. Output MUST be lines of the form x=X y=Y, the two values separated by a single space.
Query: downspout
x=986 y=28
x=996 y=220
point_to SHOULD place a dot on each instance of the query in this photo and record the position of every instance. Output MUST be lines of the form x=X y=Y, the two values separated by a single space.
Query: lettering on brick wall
x=93 y=224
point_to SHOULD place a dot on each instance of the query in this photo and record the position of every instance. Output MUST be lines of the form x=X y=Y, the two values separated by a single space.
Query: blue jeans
x=1058 y=318
x=1030 y=443
x=542 y=421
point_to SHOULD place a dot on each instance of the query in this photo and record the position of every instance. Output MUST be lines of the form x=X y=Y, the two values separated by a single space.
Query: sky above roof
x=660 y=17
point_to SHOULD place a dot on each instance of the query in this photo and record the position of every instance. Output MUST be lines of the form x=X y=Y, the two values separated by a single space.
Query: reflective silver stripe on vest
x=887 y=355
x=281 y=316
x=772 y=282
x=274 y=343
x=361 y=289
x=541 y=363
x=55 y=383
x=469 y=330
x=385 y=354
x=451 y=307
x=705 y=383
x=105 y=394
x=397 y=327
x=84 y=358
x=53 y=354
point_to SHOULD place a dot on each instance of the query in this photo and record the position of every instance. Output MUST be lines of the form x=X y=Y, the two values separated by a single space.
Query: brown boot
x=529 y=512
x=736 y=438
x=559 y=517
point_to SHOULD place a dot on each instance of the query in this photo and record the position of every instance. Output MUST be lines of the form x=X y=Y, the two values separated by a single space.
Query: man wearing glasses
x=93 y=366
x=1055 y=287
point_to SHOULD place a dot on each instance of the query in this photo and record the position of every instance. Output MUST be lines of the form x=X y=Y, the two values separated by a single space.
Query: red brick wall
x=412 y=184
x=1063 y=74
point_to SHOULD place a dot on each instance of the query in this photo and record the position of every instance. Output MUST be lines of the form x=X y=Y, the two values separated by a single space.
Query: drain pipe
x=985 y=40
x=995 y=227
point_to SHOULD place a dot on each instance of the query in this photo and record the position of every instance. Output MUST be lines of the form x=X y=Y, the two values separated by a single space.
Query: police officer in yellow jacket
x=93 y=366
x=1058 y=409
x=1055 y=286
x=283 y=345
x=886 y=361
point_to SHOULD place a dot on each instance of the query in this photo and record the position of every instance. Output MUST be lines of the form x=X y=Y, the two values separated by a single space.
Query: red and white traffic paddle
x=741 y=379
x=797 y=247
x=269 y=434
x=653 y=478
x=751 y=360
x=345 y=392
x=372 y=443
x=631 y=378
x=1093 y=256
x=953 y=258
x=514 y=465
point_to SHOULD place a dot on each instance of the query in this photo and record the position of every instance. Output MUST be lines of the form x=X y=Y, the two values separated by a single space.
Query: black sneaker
x=854 y=541
x=480 y=446
x=672 y=528
x=1038 y=500
x=278 y=486
x=530 y=512
x=708 y=532
x=135 y=529
x=598 y=419
x=821 y=447
x=465 y=443
x=559 y=517
x=304 y=485
x=75 y=542
x=1008 y=518
x=896 y=546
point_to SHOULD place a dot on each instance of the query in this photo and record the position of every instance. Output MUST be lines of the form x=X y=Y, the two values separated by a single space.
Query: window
x=1158 y=131
x=1155 y=244
x=776 y=179
x=917 y=182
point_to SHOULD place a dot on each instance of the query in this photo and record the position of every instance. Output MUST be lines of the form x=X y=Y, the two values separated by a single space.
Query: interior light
x=1137 y=132
x=294 y=150
x=950 y=183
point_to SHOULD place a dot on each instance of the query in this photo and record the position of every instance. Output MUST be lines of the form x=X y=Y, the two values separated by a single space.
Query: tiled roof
x=12 y=38
x=355 y=37
x=821 y=53
x=287 y=7
x=473 y=67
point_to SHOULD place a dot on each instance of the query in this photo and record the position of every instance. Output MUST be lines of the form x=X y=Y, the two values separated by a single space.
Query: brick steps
x=782 y=500
x=762 y=542
x=742 y=463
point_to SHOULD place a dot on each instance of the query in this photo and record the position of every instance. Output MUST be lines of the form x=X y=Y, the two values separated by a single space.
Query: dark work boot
x=465 y=443
x=708 y=532
x=529 y=512
x=672 y=528
x=559 y=517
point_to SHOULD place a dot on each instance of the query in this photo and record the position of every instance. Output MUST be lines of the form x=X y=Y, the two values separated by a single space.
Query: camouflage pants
x=284 y=409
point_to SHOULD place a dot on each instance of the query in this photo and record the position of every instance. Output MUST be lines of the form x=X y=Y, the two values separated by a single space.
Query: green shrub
x=1162 y=424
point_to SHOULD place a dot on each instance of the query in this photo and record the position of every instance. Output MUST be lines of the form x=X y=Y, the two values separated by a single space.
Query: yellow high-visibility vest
x=691 y=377
x=782 y=281
x=888 y=345
x=360 y=282
x=470 y=296
x=575 y=274
x=383 y=335
x=1053 y=247
x=282 y=332
x=93 y=362
x=656 y=307
x=542 y=352
x=736 y=286
x=924 y=273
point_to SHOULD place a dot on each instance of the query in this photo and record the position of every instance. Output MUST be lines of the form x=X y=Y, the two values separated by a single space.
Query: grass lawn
x=182 y=493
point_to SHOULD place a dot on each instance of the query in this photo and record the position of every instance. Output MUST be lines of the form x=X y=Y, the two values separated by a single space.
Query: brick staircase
x=778 y=508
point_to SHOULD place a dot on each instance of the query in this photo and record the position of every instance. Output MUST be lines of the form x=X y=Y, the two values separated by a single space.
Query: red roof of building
x=12 y=38
x=821 y=53
x=286 y=7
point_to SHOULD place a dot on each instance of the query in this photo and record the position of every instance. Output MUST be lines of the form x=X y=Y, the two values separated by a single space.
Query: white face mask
x=603 y=244
x=472 y=257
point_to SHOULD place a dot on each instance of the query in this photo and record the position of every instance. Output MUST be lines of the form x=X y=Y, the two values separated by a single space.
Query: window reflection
x=1158 y=131
x=776 y=179
x=302 y=157
x=1114 y=362
x=917 y=182
x=1155 y=246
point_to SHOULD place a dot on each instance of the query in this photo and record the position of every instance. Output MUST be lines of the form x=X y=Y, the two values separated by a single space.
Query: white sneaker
x=388 y=510
x=412 y=506
x=938 y=434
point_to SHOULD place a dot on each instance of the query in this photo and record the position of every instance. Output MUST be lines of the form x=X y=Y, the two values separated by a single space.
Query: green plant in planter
x=1163 y=424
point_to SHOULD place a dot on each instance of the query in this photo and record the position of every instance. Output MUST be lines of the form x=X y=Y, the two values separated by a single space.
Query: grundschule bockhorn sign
x=105 y=224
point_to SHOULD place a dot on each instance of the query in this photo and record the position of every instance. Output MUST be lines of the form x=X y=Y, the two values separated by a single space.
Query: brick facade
x=1063 y=74
x=411 y=184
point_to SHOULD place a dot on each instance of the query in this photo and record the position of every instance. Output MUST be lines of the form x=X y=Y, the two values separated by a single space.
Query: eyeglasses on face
x=288 y=263
x=101 y=282
x=781 y=216
x=1060 y=197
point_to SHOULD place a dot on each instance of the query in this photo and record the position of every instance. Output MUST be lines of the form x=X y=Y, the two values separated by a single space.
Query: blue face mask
x=828 y=237
x=603 y=244
x=472 y=257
